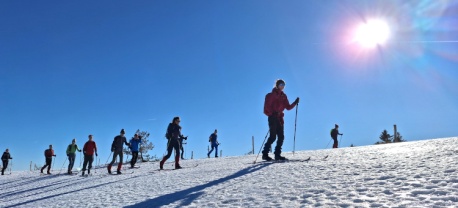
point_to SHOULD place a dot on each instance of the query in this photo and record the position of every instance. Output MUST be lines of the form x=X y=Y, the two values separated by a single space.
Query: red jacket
x=89 y=148
x=275 y=103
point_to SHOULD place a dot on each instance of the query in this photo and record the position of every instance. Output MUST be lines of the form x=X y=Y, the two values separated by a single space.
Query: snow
x=410 y=174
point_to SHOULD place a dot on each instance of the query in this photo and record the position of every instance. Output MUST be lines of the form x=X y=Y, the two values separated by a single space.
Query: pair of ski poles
x=331 y=140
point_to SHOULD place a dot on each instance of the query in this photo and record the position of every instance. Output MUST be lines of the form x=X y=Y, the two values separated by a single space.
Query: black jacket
x=118 y=142
x=174 y=131
x=6 y=156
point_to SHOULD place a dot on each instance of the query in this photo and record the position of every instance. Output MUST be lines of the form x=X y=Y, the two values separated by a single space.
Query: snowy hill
x=411 y=174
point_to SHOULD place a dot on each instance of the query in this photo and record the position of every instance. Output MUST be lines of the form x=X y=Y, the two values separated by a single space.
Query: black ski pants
x=134 y=159
x=88 y=159
x=5 y=165
x=48 y=164
x=336 y=143
x=173 y=144
x=276 y=129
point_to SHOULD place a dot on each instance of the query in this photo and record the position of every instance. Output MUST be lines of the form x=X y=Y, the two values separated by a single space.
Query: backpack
x=46 y=152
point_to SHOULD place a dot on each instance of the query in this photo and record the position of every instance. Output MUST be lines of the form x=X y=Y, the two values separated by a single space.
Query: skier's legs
x=208 y=154
x=281 y=138
x=71 y=161
x=5 y=164
x=121 y=155
x=216 y=149
x=134 y=159
x=176 y=146
x=273 y=123
x=86 y=160
x=336 y=143
x=49 y=164
x=90 y=159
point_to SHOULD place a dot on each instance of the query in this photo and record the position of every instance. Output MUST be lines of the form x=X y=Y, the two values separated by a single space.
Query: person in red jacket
x=275 y=102
x=89 y=149
x=49 y=153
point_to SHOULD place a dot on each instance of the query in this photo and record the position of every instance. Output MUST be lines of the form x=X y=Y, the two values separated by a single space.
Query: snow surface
x=410 y=174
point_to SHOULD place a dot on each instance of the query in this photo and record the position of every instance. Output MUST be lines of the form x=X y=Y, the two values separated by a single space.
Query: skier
x=49 y=153
x=173 y=135
x=88 y=150
x=334 y=135
x=116 y=148
x=5 y=158
x=71 y=149
x=214 y=143
x=134 y=142
x=181 y=146
x=275 y=103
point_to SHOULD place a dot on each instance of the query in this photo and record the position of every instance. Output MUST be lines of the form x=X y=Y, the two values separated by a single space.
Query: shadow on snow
x=188 y=195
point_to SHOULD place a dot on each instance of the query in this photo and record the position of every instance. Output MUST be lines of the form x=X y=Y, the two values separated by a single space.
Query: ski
x=169 y=169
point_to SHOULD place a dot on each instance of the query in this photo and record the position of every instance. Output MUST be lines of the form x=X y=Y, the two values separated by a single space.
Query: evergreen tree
x=385 y=137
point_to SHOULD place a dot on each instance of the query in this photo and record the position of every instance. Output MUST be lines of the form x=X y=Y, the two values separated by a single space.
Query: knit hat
x=122 y=131
x=73 y=140
x=337 y=126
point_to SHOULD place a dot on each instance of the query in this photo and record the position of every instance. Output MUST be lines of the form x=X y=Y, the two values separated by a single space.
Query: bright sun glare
x=372 y=33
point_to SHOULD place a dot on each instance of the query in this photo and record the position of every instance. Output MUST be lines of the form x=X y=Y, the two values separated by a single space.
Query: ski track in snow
x=410 y=174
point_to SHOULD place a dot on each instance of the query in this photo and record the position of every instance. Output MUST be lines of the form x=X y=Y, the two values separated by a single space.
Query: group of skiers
x=275 y=103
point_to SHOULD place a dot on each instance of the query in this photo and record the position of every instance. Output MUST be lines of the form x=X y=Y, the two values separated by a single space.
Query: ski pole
x=295 y=122
x=80 y=159
x=261 y=146
x=106 y=163
x=62 y=166
x=11 y=167
x=52 y=165
x=340 y=140
x=95 y=169
x=328 y=144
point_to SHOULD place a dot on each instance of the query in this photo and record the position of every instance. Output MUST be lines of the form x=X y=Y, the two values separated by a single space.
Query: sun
x=372 y=33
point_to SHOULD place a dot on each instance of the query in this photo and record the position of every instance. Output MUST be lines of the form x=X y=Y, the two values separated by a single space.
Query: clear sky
x=69 y=69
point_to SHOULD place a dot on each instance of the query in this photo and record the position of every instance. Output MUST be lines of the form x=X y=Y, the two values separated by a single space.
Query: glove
x=79 y=150
x=68 y=155
x=296 y=101
x=54 y=155
x=96 y=154
x=186 y=138
x=112 y=150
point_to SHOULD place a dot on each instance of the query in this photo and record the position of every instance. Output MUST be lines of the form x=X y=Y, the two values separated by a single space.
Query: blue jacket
x=134 y=144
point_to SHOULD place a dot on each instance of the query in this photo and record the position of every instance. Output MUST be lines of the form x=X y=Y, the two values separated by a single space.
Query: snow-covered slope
x=411 y=174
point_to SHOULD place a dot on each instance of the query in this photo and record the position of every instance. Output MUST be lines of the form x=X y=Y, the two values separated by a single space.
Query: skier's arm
x=95 y=148
x=292 y=105
x=125 y=142
x=113 y=145
x=68 y=149
x=85 y=148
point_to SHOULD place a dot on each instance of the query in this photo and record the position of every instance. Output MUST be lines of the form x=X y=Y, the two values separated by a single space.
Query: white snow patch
x=411 y=174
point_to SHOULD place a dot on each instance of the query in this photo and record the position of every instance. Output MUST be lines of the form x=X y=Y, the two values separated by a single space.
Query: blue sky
x=69 y=69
